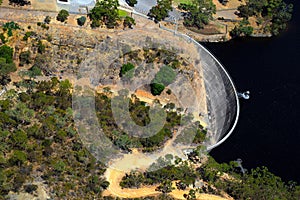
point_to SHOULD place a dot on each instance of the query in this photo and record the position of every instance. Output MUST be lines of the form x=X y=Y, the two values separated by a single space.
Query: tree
x=47 y=19
x=34 y=71
x=24 y=58
x=128 y=22
x=21 y=113
x=30 y=188
x=191 y=195
x=6 y=64
x=199 y=13
x=6 y=52
x=132 y=180
x=131 y=2
x=165 y=187
x=81 y=20
x=161 y=10
x=128 y=67
x=281 y=15
x=243 y=29
x=18 y=157
x=19 y=2
x=105 y=12
x=62 y=15
x=157 y=88
x=41 y=47
x=19 y=139
x=59 y=166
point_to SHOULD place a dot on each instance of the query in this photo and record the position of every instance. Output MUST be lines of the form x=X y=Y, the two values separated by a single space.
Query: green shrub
x=34 y=71
x=62 y=15
x=131 y=2
x=27 y=35
x=47 y=19
x=2 y=38
x=156 y=88
x=6 y=52
x=18 y=157
x=9 y=33
x=24 y=58
x=81 y=20
x=164 y=77
x=41 y=47
x=11 y=25
x=126 y=68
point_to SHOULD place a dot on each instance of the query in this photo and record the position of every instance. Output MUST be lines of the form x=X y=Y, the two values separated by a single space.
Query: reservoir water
x=268 y=131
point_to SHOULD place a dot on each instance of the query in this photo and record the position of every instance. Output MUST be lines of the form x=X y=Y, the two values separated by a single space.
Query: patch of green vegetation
x=140 y=115
x=177 y=2
x=128 y=67
x=35 y=71
x=9 y=26
x=163 y=78
x=2 y=38
x=157 y=88
x=258 y=183
x=122 y=13
x=182 y=171
x=6 y=64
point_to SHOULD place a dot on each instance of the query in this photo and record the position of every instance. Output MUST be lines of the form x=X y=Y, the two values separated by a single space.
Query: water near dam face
x=268 y=131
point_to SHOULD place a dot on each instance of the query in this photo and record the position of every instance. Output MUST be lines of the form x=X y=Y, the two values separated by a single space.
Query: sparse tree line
x=271 y=15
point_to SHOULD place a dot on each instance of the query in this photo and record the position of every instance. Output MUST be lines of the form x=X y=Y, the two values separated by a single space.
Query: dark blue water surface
x=268 y=132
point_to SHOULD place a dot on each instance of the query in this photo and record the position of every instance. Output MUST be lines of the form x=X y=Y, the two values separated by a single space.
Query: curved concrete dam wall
x=221 y=95
x=222 y=99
